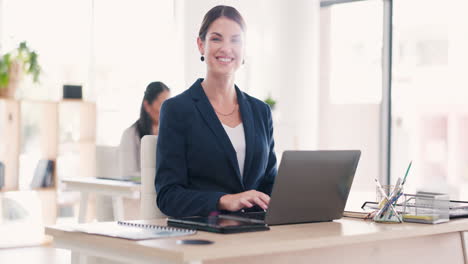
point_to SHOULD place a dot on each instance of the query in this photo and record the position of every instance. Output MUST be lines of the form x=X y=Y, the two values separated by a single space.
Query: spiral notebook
x=132 y=231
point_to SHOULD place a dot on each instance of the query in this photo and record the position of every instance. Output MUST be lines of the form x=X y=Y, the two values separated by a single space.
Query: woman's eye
x=216 y=39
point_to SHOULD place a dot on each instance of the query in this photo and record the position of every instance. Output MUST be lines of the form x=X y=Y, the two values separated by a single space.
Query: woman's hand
x=236 y=202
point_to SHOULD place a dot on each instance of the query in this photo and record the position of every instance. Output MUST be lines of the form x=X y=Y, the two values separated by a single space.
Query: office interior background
x=386 y=77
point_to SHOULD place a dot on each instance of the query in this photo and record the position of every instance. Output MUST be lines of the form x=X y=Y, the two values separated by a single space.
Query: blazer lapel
x=249 y=131
x=204 y=106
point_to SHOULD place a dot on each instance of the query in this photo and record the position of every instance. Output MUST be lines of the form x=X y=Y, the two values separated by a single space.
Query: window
x=429 y=116
x=356 y=52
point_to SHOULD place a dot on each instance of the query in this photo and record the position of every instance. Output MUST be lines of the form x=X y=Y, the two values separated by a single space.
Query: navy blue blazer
x=196 y=163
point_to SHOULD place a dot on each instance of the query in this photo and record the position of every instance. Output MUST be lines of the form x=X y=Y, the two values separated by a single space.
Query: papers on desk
x=458 y=209
x=132 y=231
x=360 y=215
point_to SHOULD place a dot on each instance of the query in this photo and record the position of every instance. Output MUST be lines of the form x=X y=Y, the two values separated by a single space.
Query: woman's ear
x=201 y=46
x=147 y=107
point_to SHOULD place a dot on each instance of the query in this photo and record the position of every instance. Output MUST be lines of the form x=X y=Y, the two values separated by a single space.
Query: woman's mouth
x=225 y=60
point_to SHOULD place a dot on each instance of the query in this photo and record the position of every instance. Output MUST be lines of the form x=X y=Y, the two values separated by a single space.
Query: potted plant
x=271 y=102
x=13 y=65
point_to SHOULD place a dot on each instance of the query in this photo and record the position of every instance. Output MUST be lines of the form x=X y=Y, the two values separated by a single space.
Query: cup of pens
x=388 y=197
x=381 y=197
x=389 y=207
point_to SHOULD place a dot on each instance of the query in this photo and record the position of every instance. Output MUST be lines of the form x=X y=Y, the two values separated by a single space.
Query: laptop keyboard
x=256 y=215
x=250 y=215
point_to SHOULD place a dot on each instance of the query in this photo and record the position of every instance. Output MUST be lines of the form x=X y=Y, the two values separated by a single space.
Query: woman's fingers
x=260 y=203
x=245 y=203
x=244 y=200
x=258 y=198
x=265 y=198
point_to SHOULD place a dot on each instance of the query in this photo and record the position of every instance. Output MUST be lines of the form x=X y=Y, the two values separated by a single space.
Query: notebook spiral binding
x=157 y=227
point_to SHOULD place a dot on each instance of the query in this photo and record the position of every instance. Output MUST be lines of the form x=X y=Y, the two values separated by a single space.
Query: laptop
x=311 y=186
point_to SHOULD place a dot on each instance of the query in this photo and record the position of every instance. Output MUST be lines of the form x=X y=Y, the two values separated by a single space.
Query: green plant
x=25 y=58
x=271 y=102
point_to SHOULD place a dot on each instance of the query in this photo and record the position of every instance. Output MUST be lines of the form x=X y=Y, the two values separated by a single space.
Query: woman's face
x=154 y=108
x=223 y=47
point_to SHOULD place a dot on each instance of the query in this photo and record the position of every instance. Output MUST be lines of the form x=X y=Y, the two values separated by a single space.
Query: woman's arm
x=174 y=198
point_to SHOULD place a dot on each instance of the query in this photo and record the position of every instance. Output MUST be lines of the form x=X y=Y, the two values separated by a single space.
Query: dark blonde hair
x=217 y=12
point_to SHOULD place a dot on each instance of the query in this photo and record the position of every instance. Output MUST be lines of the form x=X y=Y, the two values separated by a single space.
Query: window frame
x=386 y=104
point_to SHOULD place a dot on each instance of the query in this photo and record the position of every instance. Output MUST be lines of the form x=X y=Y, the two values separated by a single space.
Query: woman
x=148 y=124
x=215 y=147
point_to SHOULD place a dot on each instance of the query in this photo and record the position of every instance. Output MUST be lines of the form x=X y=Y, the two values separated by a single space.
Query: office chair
x=106 y=158
x=148 y=206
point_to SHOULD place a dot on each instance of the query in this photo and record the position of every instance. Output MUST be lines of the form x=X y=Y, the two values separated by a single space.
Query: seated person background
x=129 y=150
x=215 y=146
x=148 y=124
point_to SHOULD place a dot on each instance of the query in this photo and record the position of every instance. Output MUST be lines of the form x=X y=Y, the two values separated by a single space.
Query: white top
x=129 y=153
x=237 y=137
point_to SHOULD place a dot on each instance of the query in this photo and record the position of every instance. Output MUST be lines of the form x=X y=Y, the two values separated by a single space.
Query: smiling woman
x=224 y=46
x=221 y=41
x=215 y=145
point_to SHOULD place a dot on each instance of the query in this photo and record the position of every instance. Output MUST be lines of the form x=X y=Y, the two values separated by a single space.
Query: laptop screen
x=312 y=186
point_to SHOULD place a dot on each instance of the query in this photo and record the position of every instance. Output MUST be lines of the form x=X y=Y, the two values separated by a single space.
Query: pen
x=397 y=187
x=406 y=174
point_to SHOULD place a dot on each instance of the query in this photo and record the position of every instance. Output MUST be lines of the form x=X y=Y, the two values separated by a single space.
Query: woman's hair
x=144 y=124
x=217 y=12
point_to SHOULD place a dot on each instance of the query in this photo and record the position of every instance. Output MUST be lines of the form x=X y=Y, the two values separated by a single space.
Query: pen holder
x=427 y=208
x=388 y=212
x=379 y=198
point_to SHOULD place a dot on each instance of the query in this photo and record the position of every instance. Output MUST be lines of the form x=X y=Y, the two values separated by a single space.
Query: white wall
x=293 y=74
x=133 y=45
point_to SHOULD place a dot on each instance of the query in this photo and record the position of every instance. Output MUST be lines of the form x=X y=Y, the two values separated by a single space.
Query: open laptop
x=311 y=186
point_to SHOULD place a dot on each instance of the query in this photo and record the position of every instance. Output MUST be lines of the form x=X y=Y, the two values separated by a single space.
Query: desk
x=343 y=241
x=114 y=188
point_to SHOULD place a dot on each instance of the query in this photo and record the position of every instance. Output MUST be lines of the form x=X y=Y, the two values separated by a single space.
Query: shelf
x=9 y=190
x=8 y=99
x=32 y=130
x=36 y=101
x=42 y=189
x=33 y=101
x=76 y=101
x=10 y=141
x=78 y=142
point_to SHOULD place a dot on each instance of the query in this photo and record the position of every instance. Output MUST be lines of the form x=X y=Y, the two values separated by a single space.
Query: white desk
x=342 y=241
x=114 y=188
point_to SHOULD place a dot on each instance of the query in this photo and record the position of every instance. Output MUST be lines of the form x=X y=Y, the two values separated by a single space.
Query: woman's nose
x=226 y=46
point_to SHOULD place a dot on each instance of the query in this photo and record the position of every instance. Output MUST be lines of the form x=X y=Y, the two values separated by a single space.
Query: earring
x=243 y=62
x=202 y=58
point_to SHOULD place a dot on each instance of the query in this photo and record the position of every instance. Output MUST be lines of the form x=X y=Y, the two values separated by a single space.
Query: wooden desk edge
x=279 y=246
